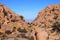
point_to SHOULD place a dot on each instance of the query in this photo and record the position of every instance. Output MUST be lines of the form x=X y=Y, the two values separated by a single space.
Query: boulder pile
x=46 y=26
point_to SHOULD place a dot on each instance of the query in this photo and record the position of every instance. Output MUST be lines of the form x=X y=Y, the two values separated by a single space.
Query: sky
x=28 y=8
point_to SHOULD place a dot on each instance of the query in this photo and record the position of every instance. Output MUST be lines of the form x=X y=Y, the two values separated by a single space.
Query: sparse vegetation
x=56 y=16
x=5 y=13
x=14 y=28
x=13 y=20
x=52 y=9
x=21 y=17
x=42 y=27
x=30 y=30
x=8 y=32
x=56 y=27
x=22 y=30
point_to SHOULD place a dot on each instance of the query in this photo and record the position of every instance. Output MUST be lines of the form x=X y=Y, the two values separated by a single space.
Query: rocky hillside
x=11 y=24
x=45 y=27
x=47 y=23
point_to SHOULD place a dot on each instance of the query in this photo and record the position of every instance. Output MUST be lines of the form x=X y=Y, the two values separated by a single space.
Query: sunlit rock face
x=11 y=24
x=47 y=23
x=45 y=27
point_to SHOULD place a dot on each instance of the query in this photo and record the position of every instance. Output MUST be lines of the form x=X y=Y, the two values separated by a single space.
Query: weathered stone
x=45 y=27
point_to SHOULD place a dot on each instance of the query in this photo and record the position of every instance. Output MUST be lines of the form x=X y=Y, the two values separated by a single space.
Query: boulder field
x=46 y=25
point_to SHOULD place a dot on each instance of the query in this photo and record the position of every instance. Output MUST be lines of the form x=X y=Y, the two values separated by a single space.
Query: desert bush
x=21 y=17
x=56 y=27
x=22 y=30
x=8 y=32
x=14 y=28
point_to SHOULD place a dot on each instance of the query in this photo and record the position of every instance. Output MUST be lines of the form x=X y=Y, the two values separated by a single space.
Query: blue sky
x=28 y=8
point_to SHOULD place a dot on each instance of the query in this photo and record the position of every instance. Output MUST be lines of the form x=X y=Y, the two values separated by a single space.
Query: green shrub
x=8 y=32
x=14 y=28
x=13 y=20
x=21 y=17
x=22 y=30
x=56 y=27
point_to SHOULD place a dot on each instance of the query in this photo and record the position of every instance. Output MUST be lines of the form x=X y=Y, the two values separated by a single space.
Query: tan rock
x=49 y=21
x=45 y=27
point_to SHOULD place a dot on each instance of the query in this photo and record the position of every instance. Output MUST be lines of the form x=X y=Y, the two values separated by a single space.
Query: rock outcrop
x=45 y=27
x=47 y=23
x=11 y=24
